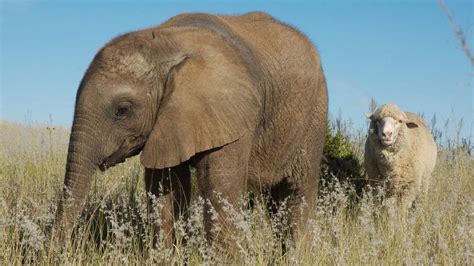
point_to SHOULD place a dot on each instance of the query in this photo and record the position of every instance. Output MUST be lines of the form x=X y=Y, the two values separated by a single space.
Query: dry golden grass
x=32 y=159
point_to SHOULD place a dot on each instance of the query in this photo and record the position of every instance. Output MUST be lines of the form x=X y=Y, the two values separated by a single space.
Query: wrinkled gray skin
x=242 y=99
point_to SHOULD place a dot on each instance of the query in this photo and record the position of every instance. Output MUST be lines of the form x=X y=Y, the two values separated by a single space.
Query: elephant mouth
x=127 y=149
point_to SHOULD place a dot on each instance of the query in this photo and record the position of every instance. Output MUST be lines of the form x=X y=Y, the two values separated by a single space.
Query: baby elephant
x=400 y=152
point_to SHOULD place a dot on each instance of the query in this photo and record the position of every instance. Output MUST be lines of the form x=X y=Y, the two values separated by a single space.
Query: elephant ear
x=203 y=106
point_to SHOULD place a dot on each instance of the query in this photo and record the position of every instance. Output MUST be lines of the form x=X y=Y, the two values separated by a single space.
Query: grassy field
x=114 y=227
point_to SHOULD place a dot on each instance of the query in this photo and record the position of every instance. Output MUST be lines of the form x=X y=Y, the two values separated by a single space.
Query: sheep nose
x=387 y=134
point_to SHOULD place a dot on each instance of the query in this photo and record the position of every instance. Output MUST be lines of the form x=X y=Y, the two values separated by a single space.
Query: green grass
x=32 y=161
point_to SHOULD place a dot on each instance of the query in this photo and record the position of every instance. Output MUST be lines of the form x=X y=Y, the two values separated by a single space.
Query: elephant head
x=156 y=92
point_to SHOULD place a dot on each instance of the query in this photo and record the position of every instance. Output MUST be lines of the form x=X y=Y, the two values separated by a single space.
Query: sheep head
x=387 y=122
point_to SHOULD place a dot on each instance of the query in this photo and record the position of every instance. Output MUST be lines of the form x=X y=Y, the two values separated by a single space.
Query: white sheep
x=400 y=153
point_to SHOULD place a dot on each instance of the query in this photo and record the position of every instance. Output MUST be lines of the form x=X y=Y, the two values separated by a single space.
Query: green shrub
x=340 y=163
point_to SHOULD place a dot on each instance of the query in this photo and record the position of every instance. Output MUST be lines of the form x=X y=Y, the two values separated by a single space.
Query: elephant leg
x=298 y=192
x=169 y=192
x=222 y=182
x=290 y=207
x=277 y=205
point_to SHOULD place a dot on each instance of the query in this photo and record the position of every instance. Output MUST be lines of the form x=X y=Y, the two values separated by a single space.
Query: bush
x=340 y=164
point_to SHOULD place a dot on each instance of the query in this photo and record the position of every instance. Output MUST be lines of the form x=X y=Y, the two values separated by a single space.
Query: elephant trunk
x=81 y=164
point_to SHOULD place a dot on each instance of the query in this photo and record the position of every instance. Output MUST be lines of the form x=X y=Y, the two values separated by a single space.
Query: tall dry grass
x=115 y=226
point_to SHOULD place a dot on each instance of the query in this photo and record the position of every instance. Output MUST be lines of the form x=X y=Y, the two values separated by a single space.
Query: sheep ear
x=369 y=115
x=411 y=124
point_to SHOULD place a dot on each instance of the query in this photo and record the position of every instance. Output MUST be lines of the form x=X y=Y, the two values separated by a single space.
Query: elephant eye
x=122 y=110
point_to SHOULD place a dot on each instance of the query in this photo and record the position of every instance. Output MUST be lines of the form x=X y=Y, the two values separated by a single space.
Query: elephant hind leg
x=280 y=196
x=169 y=192
x=298 y=191
x=290 y=207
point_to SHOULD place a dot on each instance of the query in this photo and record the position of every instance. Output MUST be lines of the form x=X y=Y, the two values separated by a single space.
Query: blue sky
x=394 y=51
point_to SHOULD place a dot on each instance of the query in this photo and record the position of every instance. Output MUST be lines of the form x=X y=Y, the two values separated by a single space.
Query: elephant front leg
x=222 y=182
x=169 y=192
